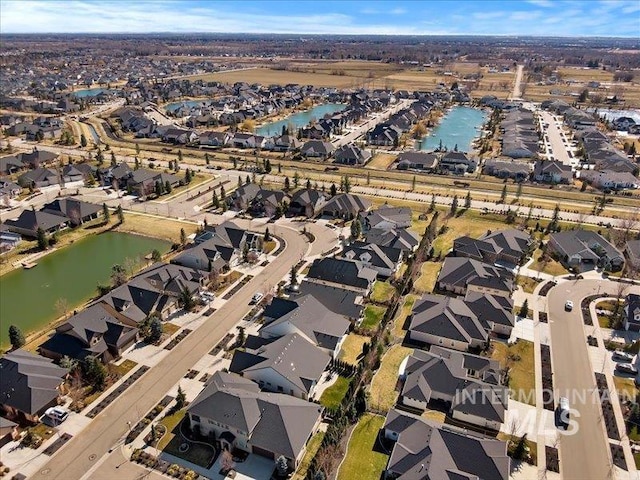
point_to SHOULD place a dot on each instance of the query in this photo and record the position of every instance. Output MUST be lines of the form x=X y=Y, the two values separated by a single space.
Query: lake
x=460 y=126
x=91 y=92
x=28 y=297
x=300 y=119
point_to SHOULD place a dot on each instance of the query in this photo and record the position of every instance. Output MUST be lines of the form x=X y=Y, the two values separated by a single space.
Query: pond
x=459 y=127
x=91 y=92
x=300 y=119
x=29 y=297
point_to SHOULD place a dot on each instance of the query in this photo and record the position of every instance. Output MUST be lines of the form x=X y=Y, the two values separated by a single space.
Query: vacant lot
x=158 y=227
x=361 y=460
x=381 y=161
x=383 y=387
x=519 y=359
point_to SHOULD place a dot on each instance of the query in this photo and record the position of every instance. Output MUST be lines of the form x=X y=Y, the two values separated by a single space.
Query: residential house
x=229 y=240
x=37 y=158
x=346 y=205
x=317 y=149
x=349 y=274
x=632 y=313
x=39 y=178
x=29 y=221
x=400 y=238
x=494 y=312
x=460 y=274
x=584 y=250
x=233 y=411
x=421 y=161
x=266 y=203
x=179 y=136
x=342 y=301
x=142 y=182
x=506 y=247
x=76 y=211
x=241 y=198
x=8 y=191
x=350 y=154
x=96 y=331
x=247 y=140
x=286 y=143
x=10 y=165
x=156 y=290
x=384 y=260
x=446 y=321
x=552 y=172
x=214 y=139
x=387 y=217
x=290 y=364
x=384 y=134
x=425 y=449
x=519 y=171
x=8 y=239
x=457 y=162
x=632 y=250
x=307 y=202
x=456 y=379
x=29 y=384
x=308 y=317
x=610 y=180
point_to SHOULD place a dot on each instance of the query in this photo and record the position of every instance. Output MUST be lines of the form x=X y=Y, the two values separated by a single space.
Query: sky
x=611 y=18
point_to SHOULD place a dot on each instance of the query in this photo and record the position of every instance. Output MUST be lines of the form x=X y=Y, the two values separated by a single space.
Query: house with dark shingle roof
x=10 y=165
x=632 y=250
x=457 y=162
x=77 y=211
x=266 y=202
x=446 y=321
x=351 y=274
x=457 y=379
x=29 y=384
x=584 y=250
x=424 y=449
x=307 y=202
x=241 y=197
x=95 y=331
x=552 y=172
x=29 y=221
x=39 y=178
x=290 y=364
x=399 y=238
x=350 y=154
x=345 y=205
x=422 y=161
x=503 y=246
x=317 y=149
x=339 y=300
x=306 y=316
x=384 y=260
x=387 y=217
x=460 y=274
x=632 y=313
x=239 y=415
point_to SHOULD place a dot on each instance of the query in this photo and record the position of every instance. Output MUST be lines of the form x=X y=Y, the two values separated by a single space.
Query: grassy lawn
x=528 y=284
x=382 y=292
x=434 y=415
x=419 y=225
x=201 y=455
x=372 y=316
x=352 y=348
x=428 y=276
x=170 y=328
x=472 y=223
x=361 y=461
x=625 y=388
x=228 y=279
x=552 y=267
x=43 y=431
x=636 y=459
x=603 y=321
x=333 y=395
x=171 y=422
x=383 y=386
x=312 y=448
x=269 y=246
x=157 y=227
x=533 y=447
x=125 y=367
x=402 y=314
x=381 y=161
x=521 y=378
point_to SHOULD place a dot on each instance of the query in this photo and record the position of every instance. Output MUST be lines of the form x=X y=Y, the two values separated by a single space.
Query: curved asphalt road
x=84 y=450
x=585 y=454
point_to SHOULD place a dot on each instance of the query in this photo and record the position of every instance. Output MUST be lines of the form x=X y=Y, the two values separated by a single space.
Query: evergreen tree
x=519 y=190
x=216 y=202
x=179 y=158
x=454 y=205
x=293 y=276
x=136 y=164
x=524 y=309
x=99 y=157
x=105 y=213
x=267 y=166
x=114 y=162
x=296 y=179
x=159 y=188
x=503 y=195
x=42 y=239
x=308 y=186
x=281 y=464
x=467 y=201
x=120 y=214
x=235 y=163
x=347 y=184
x=287 y=186
x=137 y=149
x=16 y=337
x=206 y=158
x=356 y=228
x=279 y=168
x=368 y=178
x=167 y=187
x=83 y=141
x=223 y=194
x=183 y=236
x=154 y=330
x=267 y=235
x=333 y=190
x=94 y=372
x=187 y=176
x=413 y=183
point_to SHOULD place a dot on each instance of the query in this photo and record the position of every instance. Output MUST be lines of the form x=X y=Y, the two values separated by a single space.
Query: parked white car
x=55 y=416
x=626 y=368
x=622 y=356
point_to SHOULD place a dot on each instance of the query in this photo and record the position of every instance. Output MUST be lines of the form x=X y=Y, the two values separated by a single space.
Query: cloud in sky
x=530 y=17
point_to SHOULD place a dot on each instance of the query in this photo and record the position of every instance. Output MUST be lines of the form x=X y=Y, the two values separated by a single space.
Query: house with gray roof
x=457 y=380
x=552 y=171
x=345 y=205
x=460 y=274
x=632 y=250
x=308 y=317
x=142 y=182
x=234 y=411
x=519 y=171
x=290 y=364
x=241 y=198
x=632 y=313
x=457 y=162
x=584 y=250
x=339 y=300
x=308 y=202
x=384 y=260
x=610 y=179
x=351 y=274
x=421 y=161
x=29 y=384
x=494 y=312
x=399 y=238
x=506 y=247
x=266 y=202
x=350 y=154
x=424 y=449
x=10 y=165
x=39 y=178
x=387 y=218
x=446 y=321
x=96 y=331
x=317 y=149
x=77 y=211
x=29 y=221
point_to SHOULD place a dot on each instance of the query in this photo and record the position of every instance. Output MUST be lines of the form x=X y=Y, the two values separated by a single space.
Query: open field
x=381 y=161
x=352 y=348
x=383 y=386
x=153 y=226
x=361 y=460
x=519 y=359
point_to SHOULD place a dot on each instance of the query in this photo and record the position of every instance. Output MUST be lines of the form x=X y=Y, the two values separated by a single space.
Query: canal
x=300 y=119
x=459 y=127
x=30 y=299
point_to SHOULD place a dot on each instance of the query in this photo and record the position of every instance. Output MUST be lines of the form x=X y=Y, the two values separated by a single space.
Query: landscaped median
x=364 y=458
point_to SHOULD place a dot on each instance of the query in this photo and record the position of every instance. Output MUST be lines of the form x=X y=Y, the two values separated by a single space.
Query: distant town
x=319 y=257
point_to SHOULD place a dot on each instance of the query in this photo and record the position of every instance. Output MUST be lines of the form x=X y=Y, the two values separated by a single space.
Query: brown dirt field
x=585 y=75
x=266 y=77
x=381 y=161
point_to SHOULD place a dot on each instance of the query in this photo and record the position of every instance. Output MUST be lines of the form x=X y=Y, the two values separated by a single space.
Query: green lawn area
x=372 y=316
x=428 y=276
x=125 y=367
x=44 y=431
x=552 y=267
x=361 y=461
x=402 y=314
x=528 y=284
x=382 y=292
x=603 y=321
x=333 y=395
x=312 y=448
x=636 y=458
x=521 y=371
x=472 y=223
x=383 y=386
x=171 y=422
x=352 y=348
